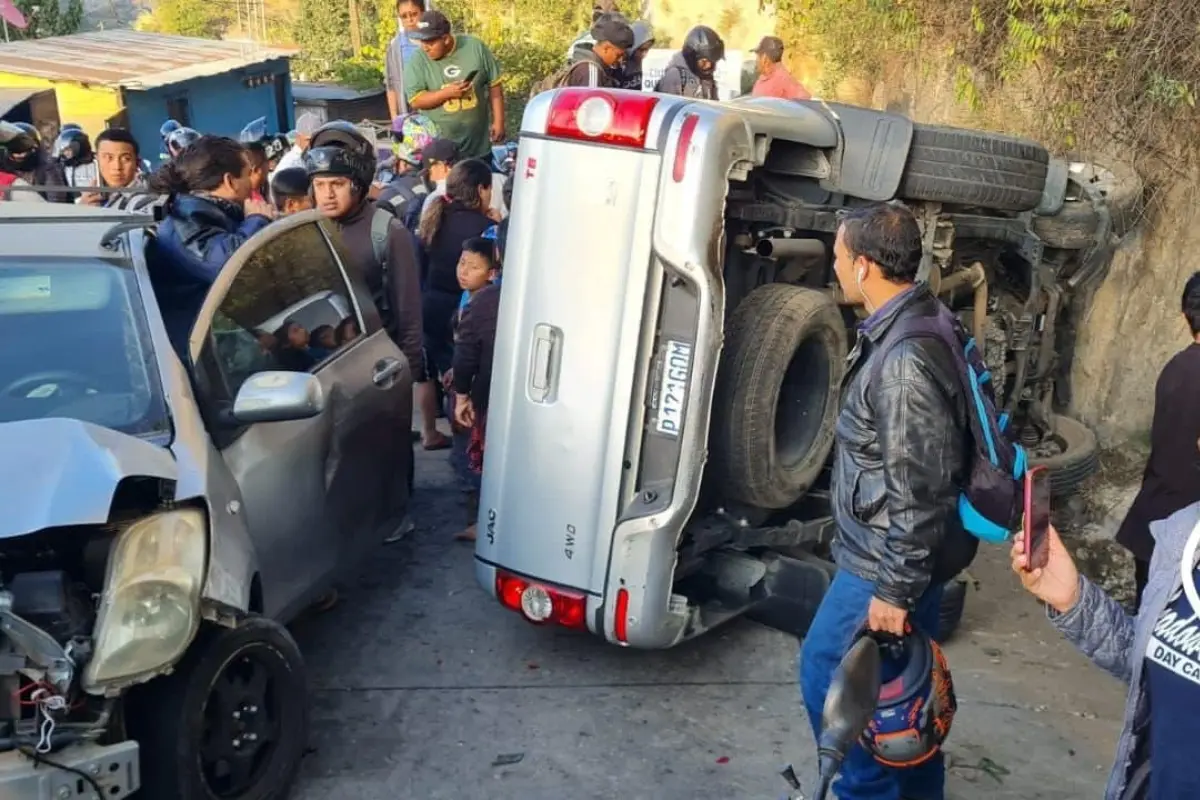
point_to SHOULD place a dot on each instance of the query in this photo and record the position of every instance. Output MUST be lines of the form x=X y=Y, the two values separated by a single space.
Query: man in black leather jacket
x=902 y=449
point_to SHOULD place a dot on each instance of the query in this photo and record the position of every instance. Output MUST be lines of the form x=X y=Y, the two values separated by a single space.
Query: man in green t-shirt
x=456 y=81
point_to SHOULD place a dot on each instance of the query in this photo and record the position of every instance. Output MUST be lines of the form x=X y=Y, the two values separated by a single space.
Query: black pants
x=1141 y=575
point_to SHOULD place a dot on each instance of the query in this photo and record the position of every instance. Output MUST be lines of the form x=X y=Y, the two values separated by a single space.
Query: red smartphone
x=1037 y=518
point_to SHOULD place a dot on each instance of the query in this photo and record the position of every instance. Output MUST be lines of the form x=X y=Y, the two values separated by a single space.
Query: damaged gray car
x=165 y=516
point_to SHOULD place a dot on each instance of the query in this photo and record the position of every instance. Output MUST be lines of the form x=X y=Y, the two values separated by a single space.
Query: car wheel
x=776 y=394
x=951 y=165
x=1074 y=226
x=231 y=721
x=950 y=612
x=1069 y=452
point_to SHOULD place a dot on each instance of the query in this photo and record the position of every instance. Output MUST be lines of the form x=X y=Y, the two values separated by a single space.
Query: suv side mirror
x=278 y=396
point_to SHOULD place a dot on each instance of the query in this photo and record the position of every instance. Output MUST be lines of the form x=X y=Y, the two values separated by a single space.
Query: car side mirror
x=278 y=396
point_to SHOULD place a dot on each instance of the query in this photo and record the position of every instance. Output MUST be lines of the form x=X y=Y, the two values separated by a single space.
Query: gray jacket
x=1116 y=642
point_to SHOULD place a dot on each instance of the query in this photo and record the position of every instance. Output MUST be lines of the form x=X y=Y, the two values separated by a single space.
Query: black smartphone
x=471 y=76
x=1037 y=518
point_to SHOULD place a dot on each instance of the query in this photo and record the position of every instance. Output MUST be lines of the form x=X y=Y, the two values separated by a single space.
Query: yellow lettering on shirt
x=457 y=104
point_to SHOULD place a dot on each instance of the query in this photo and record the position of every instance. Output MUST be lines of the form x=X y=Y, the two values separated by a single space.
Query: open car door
x=321 y=491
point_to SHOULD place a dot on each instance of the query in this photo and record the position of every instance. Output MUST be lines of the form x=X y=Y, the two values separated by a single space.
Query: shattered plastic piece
x=505 y=759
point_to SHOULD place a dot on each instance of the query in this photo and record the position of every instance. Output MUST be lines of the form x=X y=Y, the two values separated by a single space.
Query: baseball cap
x=442 y=150
x=771 y=47
x=615 y=30
x=432 y=25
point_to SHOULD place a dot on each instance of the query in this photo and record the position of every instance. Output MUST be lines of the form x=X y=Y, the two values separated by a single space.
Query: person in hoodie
x=584 y=41
x=689 y=73
x=630 y=75
x=36 y=167
x=599 y=65
x=209 y=215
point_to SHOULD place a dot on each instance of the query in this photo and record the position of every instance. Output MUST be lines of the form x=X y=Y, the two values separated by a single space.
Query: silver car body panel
x=569 y=451
x=65 y=472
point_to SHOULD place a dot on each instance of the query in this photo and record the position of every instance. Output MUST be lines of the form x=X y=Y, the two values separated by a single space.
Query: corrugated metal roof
x=307 y=92
x=130 y=59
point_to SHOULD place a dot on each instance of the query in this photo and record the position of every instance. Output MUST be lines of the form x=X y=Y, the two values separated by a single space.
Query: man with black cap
x=455 y=80
x=612 y=38
x=773 y=78
x=440 y=156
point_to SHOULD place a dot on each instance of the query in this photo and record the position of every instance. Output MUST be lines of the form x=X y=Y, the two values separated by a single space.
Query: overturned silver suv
x=672 y=340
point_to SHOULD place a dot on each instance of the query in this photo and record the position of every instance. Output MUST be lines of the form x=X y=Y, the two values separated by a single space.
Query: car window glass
x=288 y=308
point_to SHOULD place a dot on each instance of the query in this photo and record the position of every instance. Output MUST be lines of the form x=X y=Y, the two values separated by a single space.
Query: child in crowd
x=478 y=269
x=289 y=190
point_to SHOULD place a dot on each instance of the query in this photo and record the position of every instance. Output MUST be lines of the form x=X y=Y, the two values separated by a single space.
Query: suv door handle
x=385 y=370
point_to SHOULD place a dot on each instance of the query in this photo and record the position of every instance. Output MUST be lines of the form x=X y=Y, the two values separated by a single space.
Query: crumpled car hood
x=56 y=472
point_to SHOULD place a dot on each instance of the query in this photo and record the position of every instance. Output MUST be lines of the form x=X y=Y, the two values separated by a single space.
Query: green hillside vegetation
x=1090 y=71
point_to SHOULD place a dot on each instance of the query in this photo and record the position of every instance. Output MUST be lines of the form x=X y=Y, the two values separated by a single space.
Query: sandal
x=442 y=442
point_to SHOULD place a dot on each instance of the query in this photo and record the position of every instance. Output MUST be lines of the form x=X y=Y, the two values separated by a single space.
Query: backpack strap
x=379 y=232
x=941 y=328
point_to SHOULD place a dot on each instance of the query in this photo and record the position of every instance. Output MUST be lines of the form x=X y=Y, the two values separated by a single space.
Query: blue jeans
x=842 y=614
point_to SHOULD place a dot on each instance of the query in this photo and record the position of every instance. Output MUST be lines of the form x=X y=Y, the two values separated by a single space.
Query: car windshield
x=78 y=346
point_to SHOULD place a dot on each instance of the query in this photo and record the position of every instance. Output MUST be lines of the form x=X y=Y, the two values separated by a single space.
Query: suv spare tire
x=1074 y=226
x=775 y=402
x=973 y=168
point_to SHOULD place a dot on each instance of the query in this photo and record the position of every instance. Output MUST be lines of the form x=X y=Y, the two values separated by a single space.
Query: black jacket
x=459 y=223
x=588 y=70
x=679 y=79
x=197 y=237
x=475 y=345
x=1172 y=477
x=394 y=284
x=902 y=452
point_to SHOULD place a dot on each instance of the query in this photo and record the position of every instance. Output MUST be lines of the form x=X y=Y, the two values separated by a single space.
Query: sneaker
x=406 y=527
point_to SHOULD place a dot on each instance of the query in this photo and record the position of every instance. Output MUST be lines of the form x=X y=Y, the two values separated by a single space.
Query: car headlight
x=150 y=608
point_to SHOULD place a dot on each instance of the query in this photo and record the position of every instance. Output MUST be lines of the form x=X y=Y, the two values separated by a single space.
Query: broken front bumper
x=114 y=767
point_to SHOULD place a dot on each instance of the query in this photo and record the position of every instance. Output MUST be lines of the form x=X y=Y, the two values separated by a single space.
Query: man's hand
x=260 y=208
x=464 y=411
x=458 y=90
x=883 y=616
x=91 y=199
x=497 y=131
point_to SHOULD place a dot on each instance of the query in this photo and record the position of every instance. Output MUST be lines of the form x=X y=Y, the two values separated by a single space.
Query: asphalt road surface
x=424 y=688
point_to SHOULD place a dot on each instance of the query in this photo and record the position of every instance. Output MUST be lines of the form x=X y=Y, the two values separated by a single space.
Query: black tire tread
x=1074 y=226
x=1080 y=461
x=754 y=363
x=964 y=167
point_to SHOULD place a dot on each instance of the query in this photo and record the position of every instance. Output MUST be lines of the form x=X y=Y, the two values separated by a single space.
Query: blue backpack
x=992 y=501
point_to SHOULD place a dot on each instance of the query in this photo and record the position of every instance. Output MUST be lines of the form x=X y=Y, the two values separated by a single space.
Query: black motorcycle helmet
x=72 y=147
x=339 y=148
x=702 y=43
x=18 y=147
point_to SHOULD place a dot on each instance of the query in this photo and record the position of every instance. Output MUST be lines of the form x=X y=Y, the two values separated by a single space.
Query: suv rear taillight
x=541 y=604
x=594 y=115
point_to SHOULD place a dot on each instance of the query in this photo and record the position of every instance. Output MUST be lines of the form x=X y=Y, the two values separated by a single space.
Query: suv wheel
x=1069 y=452
x=951 y=165
x=776 y=395
x=230 y=722
x=1074 y=226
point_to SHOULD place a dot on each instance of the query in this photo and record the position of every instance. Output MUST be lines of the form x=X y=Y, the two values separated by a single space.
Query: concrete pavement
x=424 y=688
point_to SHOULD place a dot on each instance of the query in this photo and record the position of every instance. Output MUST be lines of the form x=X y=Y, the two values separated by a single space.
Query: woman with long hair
x=460 y=214
x=209 y=215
